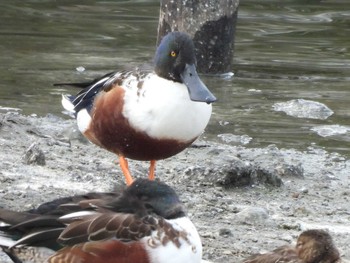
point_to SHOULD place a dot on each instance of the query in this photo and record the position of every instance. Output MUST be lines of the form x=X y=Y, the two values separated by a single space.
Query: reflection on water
x=284 y=51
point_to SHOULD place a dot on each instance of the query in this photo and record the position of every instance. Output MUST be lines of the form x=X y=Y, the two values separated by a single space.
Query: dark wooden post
x=211 y=24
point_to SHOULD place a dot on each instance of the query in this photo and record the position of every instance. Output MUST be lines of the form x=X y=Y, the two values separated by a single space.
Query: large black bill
x=196 y=88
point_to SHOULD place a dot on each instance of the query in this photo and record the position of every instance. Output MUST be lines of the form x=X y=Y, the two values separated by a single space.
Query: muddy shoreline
x=242 y=200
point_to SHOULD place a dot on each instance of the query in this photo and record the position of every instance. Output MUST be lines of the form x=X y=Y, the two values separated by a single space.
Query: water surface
x=283 y=51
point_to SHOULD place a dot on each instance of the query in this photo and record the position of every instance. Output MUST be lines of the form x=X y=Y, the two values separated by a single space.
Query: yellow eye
x=173 y=53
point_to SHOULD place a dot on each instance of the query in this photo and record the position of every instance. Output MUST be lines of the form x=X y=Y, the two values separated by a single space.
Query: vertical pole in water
x=211 y=24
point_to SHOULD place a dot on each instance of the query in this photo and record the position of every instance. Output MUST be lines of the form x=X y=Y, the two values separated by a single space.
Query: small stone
x=34 y=155
x=291 y=226
x=295 y=195
x=225 y=232
x=285 y=207
x=253 y=216
x=80 y=69
x=227 y=252
x=304 y=190
x=302 y=210
x=208 y=235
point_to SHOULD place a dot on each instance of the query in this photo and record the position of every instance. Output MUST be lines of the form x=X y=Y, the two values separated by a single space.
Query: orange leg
x=125 y=168
x=152 y=168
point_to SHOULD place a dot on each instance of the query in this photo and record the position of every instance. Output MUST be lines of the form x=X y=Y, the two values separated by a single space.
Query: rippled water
x=283 y=51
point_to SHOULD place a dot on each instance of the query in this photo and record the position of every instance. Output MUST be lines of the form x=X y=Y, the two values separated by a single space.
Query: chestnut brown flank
x=111 y=251
x=110 y=130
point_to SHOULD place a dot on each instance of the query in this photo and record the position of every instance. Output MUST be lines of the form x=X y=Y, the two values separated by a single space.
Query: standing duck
x=146 y=115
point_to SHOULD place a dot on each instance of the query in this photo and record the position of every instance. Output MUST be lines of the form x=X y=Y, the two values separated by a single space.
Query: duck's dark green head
x=144 y=196
x=175 y=60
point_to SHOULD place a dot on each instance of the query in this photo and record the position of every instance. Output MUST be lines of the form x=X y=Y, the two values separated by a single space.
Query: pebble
x=253 y=216
x=34 y=155
x=304 y=190
x=225 y=232
x=290 y=226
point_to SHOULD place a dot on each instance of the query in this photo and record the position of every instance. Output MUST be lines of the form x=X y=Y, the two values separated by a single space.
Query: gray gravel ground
x=242 y=200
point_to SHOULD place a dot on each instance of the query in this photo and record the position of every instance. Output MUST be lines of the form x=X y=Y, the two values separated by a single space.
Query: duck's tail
x=67 y=103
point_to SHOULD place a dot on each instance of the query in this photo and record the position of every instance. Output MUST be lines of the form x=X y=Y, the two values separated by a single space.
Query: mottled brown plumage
x=316 y=246
x=313 y=246
x=145 y=223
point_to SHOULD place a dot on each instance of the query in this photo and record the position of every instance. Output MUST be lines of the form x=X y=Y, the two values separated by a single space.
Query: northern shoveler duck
x=313 y=246
x=146 y=223
x=146 y=115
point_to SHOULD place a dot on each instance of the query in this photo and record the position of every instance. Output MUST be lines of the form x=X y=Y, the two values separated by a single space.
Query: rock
x=225 y=232
x=253 y=216
x=235 y=173
x=34 y=155
x=241 y=174
x=331 y=130
x=290 y=170
x=301 y=108
x=235 y=139
x=290 y=226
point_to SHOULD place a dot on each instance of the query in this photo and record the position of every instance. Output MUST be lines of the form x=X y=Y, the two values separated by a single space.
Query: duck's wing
x=85 y=98
x=284 y=254
x=92 y=226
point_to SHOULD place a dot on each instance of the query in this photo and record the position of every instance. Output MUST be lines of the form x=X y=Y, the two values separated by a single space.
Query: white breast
x=163 y=109
x=190 y=250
